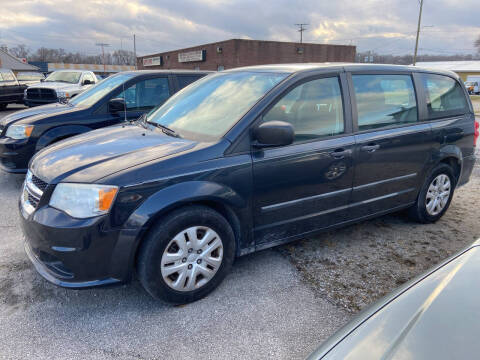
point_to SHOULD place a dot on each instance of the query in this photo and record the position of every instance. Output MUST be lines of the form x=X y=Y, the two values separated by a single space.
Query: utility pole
x=135 y=51
x=103 y=45
x=418 y=33
x=301 y=29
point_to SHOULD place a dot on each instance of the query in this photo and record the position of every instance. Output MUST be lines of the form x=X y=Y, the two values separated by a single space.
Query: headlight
x=83 y=200
x=19 y=131
x=62 y=94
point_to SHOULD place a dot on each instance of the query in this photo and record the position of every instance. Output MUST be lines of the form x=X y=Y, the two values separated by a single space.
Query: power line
x=301 y=29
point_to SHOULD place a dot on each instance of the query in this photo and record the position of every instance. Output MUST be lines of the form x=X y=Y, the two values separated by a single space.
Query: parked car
x=243 y=160
x=11 y=91
x=58 y=86
x=473 y=87
x=124 y=96
x=434 y=316
x=29 y=77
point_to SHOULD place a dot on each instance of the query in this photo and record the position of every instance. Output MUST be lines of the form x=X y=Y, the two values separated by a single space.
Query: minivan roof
x=170 y=71
x=301 y=67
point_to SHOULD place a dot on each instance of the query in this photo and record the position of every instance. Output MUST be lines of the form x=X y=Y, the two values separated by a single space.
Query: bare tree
x=477 y=44
x=20 y=51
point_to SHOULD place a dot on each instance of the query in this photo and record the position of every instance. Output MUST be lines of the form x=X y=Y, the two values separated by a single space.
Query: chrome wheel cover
x=438 y=194
x=192 y=258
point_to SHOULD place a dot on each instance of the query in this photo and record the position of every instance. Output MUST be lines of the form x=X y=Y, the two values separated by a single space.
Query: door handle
x=340 y=153
x=370 y=148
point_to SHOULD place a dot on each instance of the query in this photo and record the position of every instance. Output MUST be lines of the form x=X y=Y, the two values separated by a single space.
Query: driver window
x=314 y=108
x=146 y=94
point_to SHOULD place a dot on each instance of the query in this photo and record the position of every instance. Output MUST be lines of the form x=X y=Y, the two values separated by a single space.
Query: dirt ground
x=354 y=266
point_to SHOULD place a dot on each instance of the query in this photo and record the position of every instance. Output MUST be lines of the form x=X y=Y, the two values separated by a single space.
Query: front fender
x=59 y=132
x=162 y=202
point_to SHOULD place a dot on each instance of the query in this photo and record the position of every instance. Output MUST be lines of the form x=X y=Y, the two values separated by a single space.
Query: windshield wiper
x=166 y=130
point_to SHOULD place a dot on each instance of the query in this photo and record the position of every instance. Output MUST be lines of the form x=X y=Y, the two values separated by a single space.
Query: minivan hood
x=97 y=154
x=437 y=318
x=35 y=113
x=54 y=85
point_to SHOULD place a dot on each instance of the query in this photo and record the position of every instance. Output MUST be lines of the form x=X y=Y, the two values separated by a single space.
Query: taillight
x=476 y=133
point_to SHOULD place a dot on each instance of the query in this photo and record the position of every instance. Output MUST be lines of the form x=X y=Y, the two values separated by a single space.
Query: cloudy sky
x=384 y=26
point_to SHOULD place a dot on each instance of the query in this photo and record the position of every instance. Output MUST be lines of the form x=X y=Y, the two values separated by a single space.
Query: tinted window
x=146 y=94
x=314 y=109
x=444 y=95
x=384 y=100
x=186 y=80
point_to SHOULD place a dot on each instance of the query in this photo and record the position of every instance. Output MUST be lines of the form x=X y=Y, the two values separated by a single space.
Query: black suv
x=243 y=160
x=11 y=91
x=124 y=96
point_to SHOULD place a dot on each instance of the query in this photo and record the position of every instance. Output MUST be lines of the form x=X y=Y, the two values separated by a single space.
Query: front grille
x=39 y=183
x=41 y=94
x=32 y=192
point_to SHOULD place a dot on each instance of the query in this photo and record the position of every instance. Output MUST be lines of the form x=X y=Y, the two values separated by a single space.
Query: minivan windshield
x=208 y=108
x=96 y=92
x=71 y=77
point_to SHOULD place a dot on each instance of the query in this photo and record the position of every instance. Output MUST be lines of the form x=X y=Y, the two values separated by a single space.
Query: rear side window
x=444 y=96
x=186 y=80
x=384 y=100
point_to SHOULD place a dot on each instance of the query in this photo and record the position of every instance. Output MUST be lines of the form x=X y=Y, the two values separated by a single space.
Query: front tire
x=435 y=196
x=186 y=255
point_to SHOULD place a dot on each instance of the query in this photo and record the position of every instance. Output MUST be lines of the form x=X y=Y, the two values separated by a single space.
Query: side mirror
x=87 y=82
x=274 y=133
x=116 y=105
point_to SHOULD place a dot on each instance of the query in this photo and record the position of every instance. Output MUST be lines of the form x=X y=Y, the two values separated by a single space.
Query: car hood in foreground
x=436 y=318
x=97 y=154
x=29 y=116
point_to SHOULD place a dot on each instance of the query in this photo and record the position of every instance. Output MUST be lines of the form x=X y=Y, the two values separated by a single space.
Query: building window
x=220 y=68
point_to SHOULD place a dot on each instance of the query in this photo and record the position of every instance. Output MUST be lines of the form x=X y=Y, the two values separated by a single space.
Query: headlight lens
x=19 y=131
x=62 y=94
x=83 y=200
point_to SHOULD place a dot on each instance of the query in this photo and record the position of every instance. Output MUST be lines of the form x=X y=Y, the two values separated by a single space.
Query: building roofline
x=237 y=39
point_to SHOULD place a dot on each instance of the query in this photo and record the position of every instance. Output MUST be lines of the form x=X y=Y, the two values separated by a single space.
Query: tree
x=477 y=44
x=20 y=51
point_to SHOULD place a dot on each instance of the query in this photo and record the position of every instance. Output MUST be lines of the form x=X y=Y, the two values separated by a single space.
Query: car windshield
x=208 y=108
x=71 y=77
x=96 y=92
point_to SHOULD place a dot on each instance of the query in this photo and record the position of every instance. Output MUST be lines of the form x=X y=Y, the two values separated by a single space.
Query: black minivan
x=243 y=160
x=123 y=96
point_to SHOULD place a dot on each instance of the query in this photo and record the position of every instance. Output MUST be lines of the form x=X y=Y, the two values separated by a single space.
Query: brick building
x=239 y=52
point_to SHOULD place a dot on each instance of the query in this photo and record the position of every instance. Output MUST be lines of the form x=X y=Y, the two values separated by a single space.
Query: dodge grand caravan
x=240 y=161
x=124 y=96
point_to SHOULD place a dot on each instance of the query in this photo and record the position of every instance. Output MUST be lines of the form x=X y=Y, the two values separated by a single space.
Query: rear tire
x=186 y=255
x=435 y=195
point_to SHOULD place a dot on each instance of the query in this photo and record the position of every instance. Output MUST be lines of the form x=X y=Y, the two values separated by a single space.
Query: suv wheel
x=186 y=255
x=435 y=196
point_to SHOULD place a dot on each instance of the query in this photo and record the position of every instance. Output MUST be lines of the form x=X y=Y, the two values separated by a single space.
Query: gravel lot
x=262 y=310
x=280 y=303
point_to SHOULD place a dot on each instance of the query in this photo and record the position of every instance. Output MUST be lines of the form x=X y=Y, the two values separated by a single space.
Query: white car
x=59 y=85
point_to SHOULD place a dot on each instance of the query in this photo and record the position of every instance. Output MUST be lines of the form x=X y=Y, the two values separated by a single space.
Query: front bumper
x=72 y=253
x=15 y=154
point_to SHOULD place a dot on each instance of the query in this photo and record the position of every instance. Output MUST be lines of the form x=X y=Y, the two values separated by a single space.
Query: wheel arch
x=216 y=196
x=58 y=133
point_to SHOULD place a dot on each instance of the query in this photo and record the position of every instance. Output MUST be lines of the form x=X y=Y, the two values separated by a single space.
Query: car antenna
x=124 y=103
